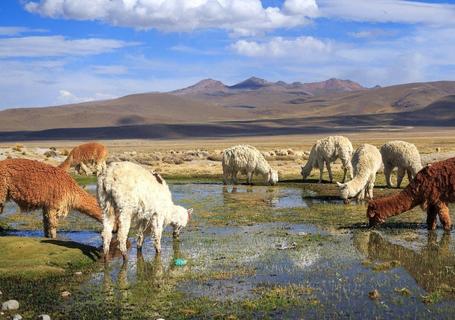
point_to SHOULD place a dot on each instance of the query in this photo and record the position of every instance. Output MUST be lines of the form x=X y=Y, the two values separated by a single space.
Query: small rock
x=1 y=292
x=43 y=317
x=374 y=295
x=78 y=273
x=17 y=317
x=10 y=305
x=65 y=294
x=160 y=319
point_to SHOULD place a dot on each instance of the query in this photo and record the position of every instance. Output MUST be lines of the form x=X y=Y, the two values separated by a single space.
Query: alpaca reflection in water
x=124 y=295
x=433 y=266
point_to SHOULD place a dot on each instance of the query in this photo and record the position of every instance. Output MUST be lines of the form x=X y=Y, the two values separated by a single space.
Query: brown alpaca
x=84 y=155
x=35 y=185
x=432 y=188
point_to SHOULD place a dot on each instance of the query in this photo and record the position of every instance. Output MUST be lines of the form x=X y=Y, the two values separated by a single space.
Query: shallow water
x=231 y=267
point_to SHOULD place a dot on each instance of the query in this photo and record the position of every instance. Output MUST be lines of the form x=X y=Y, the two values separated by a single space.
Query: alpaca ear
x=341 y=185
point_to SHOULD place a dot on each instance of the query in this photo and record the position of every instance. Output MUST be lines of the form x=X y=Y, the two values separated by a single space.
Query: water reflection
x=432 y=267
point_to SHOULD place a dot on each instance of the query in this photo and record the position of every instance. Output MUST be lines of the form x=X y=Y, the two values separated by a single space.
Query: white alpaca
x=247 y=160
x=130 y=194
x=403 y=155
x=366 y=161
x=326 y=151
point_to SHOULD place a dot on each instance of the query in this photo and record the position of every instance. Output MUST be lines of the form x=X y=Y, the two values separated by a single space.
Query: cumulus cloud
x=243 y=17
x=53 y=46
x=303 y=47
x=398 y=11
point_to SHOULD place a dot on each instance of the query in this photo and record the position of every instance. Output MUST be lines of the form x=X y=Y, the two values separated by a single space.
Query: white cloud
x=14 y=31
x=398 y=11
x=67 y=97
x=373 y=33
x=53 y=46
x=243 y=17
x=307 y=48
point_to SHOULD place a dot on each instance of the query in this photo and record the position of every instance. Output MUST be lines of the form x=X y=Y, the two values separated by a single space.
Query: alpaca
x=326 y=151
x=433 y=188
x=35 y=185
x=366 y=162
x=246 y=160
x=130 y=194
x=87 y=154
x=403 y=155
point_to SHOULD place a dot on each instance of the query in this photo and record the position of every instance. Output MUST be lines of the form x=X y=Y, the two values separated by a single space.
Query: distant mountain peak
x=203 y=86
x=251 y=83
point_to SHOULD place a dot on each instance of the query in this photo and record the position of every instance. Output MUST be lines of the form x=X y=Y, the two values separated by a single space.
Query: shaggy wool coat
x=432 y=188
x=36 y=185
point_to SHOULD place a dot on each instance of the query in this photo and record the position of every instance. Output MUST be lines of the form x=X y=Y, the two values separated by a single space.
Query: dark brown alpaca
x=432 y=188
x=35 y=185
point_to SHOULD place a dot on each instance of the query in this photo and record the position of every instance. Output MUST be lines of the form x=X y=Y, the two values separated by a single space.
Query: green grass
x=31 y=258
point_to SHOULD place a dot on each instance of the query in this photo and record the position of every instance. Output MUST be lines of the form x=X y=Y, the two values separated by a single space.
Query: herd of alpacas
x=128 y=195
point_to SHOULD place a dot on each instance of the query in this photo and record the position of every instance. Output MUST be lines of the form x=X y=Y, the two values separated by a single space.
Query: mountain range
x=217 y=109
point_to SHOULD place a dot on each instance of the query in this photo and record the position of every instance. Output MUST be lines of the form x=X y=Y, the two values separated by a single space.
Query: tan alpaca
x=87 y=154
x=35 y=185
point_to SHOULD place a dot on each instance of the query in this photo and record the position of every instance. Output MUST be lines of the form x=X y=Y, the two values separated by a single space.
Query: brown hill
x=422 y=102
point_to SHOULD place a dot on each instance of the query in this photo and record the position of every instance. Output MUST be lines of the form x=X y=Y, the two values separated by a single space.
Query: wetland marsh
x=290 y=251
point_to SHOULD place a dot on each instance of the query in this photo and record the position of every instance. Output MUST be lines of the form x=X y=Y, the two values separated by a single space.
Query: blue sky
x=64 y=51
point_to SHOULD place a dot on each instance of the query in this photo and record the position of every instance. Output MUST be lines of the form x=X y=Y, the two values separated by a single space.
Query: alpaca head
x=272 y=177
x=180 y=218
x=373 y=214
x=344 y=192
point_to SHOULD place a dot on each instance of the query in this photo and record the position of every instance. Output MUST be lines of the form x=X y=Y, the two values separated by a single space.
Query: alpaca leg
x=329 y=169
x=50 y=222
x=400 y=176
x=157 y=232
x=444 y=216
x=234 y=177
x=225 y=177
x=140 y=236
x=410 y=175
x=387 y=172
x=371 y=186
x=108 y=226
x=249 y=177
x=345 y=168
x=3 y=193
x=431 y=217
x=122 y=235
x=321 y=169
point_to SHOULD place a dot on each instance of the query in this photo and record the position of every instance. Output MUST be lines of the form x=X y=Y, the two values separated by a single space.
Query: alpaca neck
x=396 y=204
x=357 y=184
x=306 y=170
x=87 y=204
x=65 y=165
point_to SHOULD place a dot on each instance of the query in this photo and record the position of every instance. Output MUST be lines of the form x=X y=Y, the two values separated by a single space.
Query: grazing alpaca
x=432 y=188
x=131 y=194
x=403 y=155
x=87 y=154
x=326 y=151
x=35 y=185
x=246 y=160
x=366 y=162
